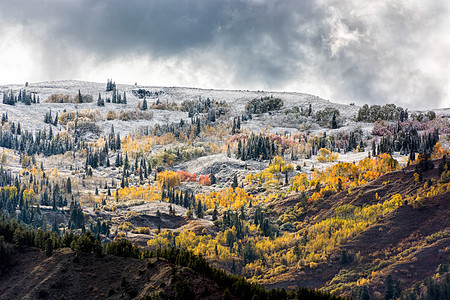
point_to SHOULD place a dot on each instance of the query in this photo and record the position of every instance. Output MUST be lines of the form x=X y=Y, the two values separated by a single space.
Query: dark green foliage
x=436 y=289
x=85 y=243
x=49 y=247
x=344 y=257
x=100 y=101
x=76 y=218
x=122 y=248
x=144 y=104
x=259 y=147
x=235 y=183
x=249 y=253
x=226 y=295
x=263 y=105
x=47 y=143
x=182 y=290
x=334 y=123
x=43 y=293
x=199 y=211
x=389 y=288
x=110 y=85
x=363 y=293
x=24 y=97
x=328 y=116
x=387 y=112
x=5 y=252
x=212 y=179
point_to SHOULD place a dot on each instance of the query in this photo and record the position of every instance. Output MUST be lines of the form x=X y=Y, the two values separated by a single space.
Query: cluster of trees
x=42 y=141
x=117 y=97
x=328 y=116
x=207 y=106
x=76 y=217
x=258 y=147
x=48 y=118
x=185 y=198
x=142 y=93
x=388 y=112
x=263 y=105
x=24 y=97
x=236 y=125
x=270 y=176
x=51 y=195
x=96 y=158
x=110 y=85
x=433 y=288
x=407 y=140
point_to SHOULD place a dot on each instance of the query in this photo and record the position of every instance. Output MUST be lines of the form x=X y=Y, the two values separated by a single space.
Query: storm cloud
x=348 y=51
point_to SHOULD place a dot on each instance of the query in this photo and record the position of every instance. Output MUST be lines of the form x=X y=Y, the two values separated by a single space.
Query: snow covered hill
x=32 y=116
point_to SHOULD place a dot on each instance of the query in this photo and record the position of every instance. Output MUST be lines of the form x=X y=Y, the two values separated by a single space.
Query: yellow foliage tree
x=168 y=179
x=326 y=155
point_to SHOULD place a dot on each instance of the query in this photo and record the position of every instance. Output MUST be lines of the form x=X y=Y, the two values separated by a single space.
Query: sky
x=365 y=51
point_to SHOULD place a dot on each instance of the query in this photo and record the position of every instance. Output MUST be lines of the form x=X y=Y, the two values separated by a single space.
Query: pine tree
x=389 y=288
x=144 y=104
x=199 y=211
x=363 y=293
x=235 y=182
x=80 y=98
x=334 y=124
x=49 y=247
x=100 y=101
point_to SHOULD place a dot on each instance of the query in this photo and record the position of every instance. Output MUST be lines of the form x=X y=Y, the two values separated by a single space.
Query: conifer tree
x=144 y=104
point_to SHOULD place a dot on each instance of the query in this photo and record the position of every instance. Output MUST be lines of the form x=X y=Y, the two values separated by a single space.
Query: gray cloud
x=372 y=51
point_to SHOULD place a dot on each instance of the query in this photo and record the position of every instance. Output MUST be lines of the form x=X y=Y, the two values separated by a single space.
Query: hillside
x=409 y=243
x=33 y=275
x=287 y=190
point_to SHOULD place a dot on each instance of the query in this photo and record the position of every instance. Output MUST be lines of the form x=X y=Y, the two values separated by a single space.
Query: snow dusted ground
x=32 y=117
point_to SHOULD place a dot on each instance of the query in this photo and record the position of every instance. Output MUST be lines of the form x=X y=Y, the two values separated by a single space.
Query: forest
x=266 y=210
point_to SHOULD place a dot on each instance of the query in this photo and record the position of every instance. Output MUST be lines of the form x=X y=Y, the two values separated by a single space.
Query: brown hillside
x=33 y=276
x=409 y=243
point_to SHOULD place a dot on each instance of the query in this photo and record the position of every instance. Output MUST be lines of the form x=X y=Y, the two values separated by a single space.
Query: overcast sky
x=365 y=51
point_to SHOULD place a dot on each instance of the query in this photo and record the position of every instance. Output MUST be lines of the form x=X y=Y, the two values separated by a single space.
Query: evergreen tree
x=334 y=124
x=144 y=104
x=100 y=101
x=199 y=211
x=235 y=182
x=49 y=247
x=363 y=293
x=389 y=288
x=80 y=97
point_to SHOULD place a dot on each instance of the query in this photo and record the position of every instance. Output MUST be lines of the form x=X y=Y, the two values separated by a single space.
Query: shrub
x=204 y=180
x=111 y=115
x=326 y=155
x=59 y=98
x=144 y=230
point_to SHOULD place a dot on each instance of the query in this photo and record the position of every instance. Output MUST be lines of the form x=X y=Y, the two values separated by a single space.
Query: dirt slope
x=34 y=275
x=402 y=243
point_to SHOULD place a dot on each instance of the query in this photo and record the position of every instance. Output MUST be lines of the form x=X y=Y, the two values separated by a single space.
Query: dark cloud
x=366 y=52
